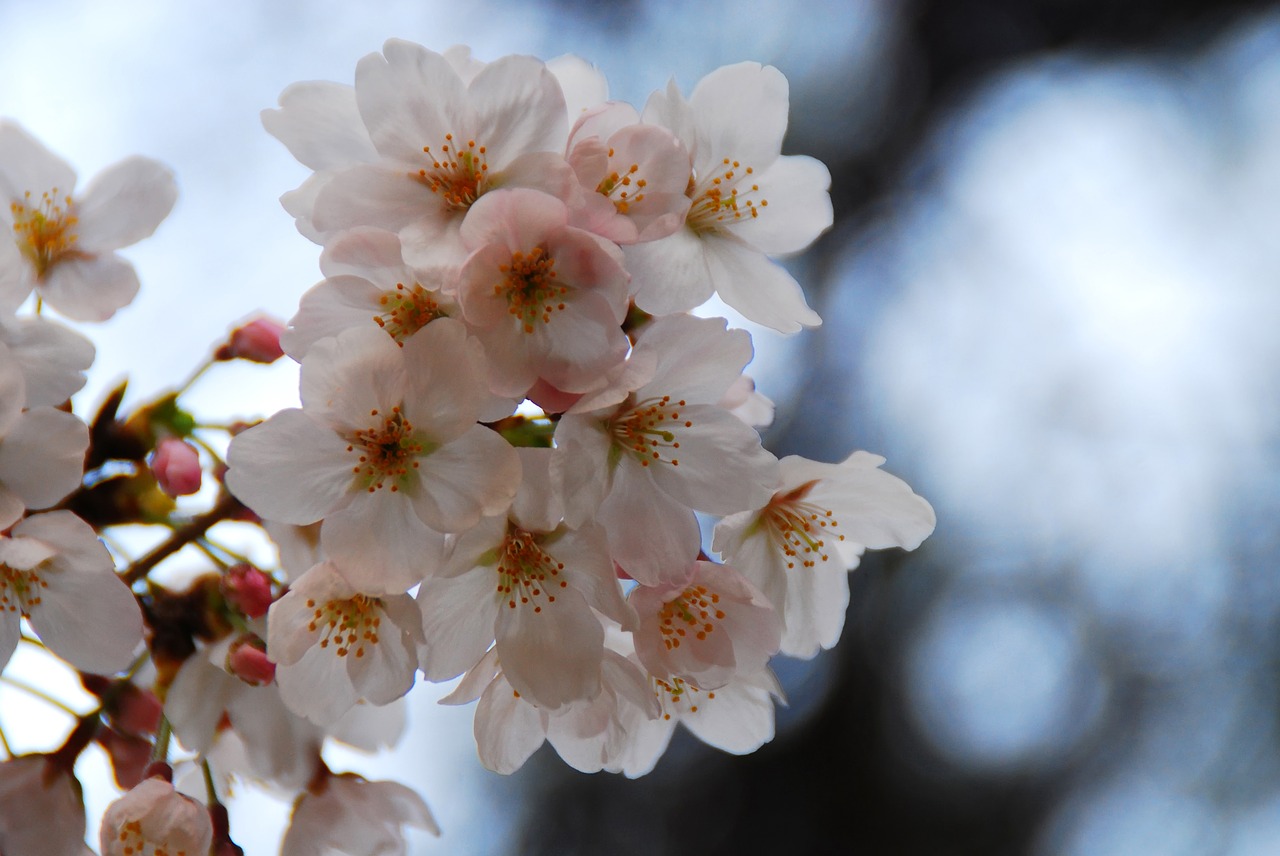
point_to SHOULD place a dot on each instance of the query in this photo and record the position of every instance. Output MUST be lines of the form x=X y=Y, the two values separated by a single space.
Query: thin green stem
x=163 y=733
x=40 y=694
x=209 y=788
x=194 y=376
x=4 y=741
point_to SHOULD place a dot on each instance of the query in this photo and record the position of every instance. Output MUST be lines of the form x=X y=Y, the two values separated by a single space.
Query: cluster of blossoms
x=511 y=425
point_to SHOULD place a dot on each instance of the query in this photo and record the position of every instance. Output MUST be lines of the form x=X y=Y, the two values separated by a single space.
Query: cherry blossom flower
x=641 y=467
x=334 y=645
x=385 y=449
x=545 y=298
x=367 y=284
x=707 y=630
x=748 y=202
x=548 y=579
x=31 y=786
x=639 y=174
x=57 y=574
x=351 y=815
x=443 y=142
x=67 y=245
x=798 y=546
x=153 y=819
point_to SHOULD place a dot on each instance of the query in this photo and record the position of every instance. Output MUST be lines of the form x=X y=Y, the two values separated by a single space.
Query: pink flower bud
x=176 y=465
x=247 y=589
x=249 y=663
x=258 y=341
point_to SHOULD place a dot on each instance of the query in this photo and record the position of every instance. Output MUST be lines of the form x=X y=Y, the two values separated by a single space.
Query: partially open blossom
x=257 y=341
x=155 y=820
x=351 y=815
x=176 y=466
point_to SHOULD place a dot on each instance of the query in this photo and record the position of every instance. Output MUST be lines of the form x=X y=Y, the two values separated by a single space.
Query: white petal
x=507 y=730
x=90 y=289
x=551 y=649
x=476 y=474
x=458 y=616
x=125 y=203
x=26 y=165
x=320 y=125
x=762 y=291
x=669 y=275
x=290 y=469
x=799 y=208
x=42 y=456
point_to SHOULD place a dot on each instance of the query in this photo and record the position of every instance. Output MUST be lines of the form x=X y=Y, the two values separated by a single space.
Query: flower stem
x=226 y=507
x=161 y=751
x=40 y=694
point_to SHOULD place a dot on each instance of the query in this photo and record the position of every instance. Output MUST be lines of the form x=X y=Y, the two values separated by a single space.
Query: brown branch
x=226 y=507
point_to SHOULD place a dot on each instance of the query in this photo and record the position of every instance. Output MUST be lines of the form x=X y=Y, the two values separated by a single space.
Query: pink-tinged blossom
x=153 y=819
x=545 y=298
x=32 y=786
x=798 y=547
x=705 y=631
x=351 y=815
x=65 y=244
x=57 y=574
x=334 y=645
x=640 y=468
x=368 y=285
x=385 y=449
x=41 y=449
x=531 y=584
x=51 y=357
x=444 y=142
x=748 y=202
x=176 y=466
x=638 y=173
x=257 y=341
x=248 y=589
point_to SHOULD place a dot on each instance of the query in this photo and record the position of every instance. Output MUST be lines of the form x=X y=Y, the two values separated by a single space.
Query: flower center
x=526 y=574
x=388 y=453
x=531 y=287
x=458 y=174
x=624 y=188
x=800 y=527
x=406 y=310
x=45 y=230
x=717 y=199
x=134 y=843
x=347 y=625
x=19 y=590
x=694 y=611
x=645 y=430
x=674 y=692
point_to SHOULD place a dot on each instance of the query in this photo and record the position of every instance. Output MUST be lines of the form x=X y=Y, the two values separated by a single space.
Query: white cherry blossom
x=640 y=468
x=531 y=584
x=334 y=645
x=349 y=815
x=748 y=202
x=33 y=786
x=545 y=298
x=57 y=574
x=798 y=546
x=443 y=142
x=66 y=244
x=385 y=449
x=153 y=819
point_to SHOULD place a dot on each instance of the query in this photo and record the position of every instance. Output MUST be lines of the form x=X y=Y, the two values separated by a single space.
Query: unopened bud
x=248 y=662
x=136 y=711
x=258 y=341
x=247 y=589
x=176 y=465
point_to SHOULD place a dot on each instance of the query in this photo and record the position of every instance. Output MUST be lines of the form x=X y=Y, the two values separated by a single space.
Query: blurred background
x=1050 y=300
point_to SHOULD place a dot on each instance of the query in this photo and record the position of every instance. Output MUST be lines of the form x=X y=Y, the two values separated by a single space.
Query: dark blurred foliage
x=848 y=773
